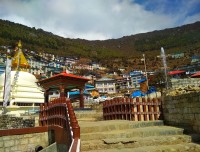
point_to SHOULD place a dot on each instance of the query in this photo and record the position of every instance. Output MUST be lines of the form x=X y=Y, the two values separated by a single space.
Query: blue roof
x=195 y=57
x=142 y=80
x=138 y=93
x=87 y=86
x=135 y=73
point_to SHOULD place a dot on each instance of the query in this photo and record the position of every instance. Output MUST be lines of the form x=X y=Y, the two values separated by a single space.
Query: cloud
x=99 y=19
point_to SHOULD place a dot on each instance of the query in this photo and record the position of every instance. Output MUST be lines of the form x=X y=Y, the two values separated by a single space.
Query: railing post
x=104 y=110
x=126 y=109
x=41 y=115
x=150 y=109
x=160 y=109
x=122 y=108
x=45 y=113
x=155 y=109
x=145 y=109
x=132 y=115
x=114 y=109
x=138 y=109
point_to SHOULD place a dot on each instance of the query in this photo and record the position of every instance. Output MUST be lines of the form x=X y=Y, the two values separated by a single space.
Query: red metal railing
x=135 y=109
x=59 y=112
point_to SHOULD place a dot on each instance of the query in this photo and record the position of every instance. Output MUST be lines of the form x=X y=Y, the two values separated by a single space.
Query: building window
x=100 y=90
x=99 y=85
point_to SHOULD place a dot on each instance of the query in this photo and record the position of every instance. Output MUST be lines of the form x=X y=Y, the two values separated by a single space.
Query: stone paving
x=129 y=136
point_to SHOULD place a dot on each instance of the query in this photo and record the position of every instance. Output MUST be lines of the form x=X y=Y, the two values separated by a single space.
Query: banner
x=7 y=83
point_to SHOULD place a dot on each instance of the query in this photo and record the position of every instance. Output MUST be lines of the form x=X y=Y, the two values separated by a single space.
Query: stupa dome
x=24 y=78
x=26 y=89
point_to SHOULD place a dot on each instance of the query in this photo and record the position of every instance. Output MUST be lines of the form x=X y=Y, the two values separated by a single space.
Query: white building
x=36 y=67
x=105 y=85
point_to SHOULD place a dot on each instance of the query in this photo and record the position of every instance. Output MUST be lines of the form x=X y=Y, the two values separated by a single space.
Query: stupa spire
x=19 y=44
x=19 y=61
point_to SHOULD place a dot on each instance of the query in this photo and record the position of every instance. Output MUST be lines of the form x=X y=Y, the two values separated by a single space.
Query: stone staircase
x=129 y=136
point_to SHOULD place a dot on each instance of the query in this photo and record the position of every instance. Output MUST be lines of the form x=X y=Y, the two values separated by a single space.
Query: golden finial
x=19 y=44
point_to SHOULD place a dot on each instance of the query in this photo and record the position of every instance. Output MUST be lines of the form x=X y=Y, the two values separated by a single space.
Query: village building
x=135 y=77
x=177 y=55
x=106 y=85
x=195 y=59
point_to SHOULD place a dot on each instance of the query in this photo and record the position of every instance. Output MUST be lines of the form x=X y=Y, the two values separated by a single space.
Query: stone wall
x=23 y=143
x=183 y=111
x=10 y=122
x=176 y=83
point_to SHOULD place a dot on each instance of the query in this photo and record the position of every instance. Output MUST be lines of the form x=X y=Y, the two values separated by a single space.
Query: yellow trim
x=19 y=44
x=19 y=57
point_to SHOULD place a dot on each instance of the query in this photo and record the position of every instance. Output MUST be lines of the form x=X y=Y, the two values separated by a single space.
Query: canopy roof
x=176 y=72
x=196 y=74
x=67 y=80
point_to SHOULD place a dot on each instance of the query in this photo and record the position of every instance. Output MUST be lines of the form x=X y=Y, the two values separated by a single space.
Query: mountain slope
x=184 y=38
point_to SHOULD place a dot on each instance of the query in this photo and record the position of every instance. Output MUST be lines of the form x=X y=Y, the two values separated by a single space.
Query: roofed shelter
x=176 y=72
x=196 y=75
x=64 y=82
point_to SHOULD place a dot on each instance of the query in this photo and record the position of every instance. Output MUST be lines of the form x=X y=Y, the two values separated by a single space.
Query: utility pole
x=145 y=68
x=165 y=66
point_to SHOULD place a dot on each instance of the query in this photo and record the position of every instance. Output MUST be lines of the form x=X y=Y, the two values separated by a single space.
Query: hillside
x=124 y=51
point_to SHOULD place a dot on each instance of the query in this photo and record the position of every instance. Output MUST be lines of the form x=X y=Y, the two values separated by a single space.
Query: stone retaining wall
x=176 y=83
x=183 y=111
x=10 y=122
x=23 y=143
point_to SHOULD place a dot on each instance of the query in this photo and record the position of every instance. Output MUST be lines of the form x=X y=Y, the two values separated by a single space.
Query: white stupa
x=25 y=94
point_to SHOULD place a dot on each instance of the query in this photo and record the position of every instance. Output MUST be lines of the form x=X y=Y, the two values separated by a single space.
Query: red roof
x=176 y=72
x=69 y=75
x=196 y=74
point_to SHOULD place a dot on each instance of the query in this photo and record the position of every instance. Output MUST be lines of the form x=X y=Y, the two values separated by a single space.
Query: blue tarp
x=104 y=97
x=138 y=93
x=78 y=92
x=73 y=94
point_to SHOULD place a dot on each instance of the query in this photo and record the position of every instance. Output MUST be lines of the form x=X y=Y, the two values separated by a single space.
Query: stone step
x=195 y=137
x=102 y=126
x=85 y=111
x=136 y=132
x=186 y=147
x=87 y=119
x=88 y=115
x=133 y=142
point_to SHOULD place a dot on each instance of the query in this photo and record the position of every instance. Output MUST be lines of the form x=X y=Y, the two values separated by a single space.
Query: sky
x=100 y=19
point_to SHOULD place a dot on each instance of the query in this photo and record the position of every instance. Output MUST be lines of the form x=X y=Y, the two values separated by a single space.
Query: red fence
x=59 y=112
x=135 y=109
